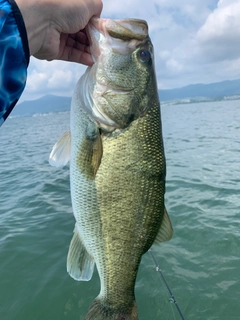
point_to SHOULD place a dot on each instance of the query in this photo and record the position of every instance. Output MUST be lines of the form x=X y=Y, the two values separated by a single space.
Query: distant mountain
x=212 y=91
x=196 y=92
x=46 y=104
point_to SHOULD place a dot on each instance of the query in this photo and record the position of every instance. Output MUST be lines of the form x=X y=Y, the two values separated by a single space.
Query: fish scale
x=130 y=199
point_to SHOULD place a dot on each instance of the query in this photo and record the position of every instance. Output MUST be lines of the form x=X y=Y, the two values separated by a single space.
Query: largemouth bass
x=117 y=165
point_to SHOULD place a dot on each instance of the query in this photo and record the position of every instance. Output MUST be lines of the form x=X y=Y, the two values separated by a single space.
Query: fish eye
x=144 y=55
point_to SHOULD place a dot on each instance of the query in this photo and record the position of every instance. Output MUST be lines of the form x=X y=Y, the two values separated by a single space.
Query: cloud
x=207 y=51
x=60 y=79
x=219 y=37
x=54 y=77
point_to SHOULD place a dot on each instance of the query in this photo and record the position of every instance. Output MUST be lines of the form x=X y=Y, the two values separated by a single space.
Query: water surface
x=202 y=261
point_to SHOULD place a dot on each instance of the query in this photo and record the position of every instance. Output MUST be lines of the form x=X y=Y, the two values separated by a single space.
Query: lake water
x=202 y=261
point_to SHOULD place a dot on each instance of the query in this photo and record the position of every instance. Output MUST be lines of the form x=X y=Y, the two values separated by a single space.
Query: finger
x=74 y=55
x=75 y=48
x=97 y=8
x=79 y=42
x=80 y=37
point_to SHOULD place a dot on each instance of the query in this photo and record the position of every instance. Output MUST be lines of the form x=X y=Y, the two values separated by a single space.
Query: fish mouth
x=121 y=35
x=106 y=38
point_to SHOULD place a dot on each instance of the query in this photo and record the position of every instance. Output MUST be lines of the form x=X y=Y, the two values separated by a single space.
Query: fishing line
x=172 y=298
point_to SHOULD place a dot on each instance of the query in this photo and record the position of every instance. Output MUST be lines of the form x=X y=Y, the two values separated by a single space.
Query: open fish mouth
x=121 y=36
x=110 y=90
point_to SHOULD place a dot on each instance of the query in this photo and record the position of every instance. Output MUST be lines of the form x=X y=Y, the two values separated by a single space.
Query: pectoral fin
x=166 y=231
x=60 y=154
x=80 y=264
x=96 y=153
x=90 y=154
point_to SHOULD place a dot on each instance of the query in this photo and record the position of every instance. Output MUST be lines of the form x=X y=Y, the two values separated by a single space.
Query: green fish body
x=117 y=166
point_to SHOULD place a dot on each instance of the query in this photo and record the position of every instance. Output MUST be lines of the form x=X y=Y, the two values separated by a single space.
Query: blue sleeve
x=14 y=57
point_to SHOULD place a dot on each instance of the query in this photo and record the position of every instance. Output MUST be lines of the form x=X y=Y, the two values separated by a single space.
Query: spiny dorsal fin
x=166 y=231
x=60 y=154
x=80 y=264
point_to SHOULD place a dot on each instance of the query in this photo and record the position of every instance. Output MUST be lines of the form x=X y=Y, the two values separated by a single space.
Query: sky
x=195 y=41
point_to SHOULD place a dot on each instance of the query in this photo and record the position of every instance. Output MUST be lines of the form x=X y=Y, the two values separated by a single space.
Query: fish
x=117 y=165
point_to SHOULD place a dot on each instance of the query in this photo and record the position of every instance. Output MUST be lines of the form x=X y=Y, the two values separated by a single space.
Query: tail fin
x=100 y=311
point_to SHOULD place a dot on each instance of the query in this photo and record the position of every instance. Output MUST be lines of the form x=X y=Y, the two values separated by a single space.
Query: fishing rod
x=172 y=299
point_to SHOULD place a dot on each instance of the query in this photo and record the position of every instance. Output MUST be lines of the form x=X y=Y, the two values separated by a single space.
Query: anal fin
x=80 y=264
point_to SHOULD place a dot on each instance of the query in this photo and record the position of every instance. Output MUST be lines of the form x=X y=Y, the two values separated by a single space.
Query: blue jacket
x=14 y=57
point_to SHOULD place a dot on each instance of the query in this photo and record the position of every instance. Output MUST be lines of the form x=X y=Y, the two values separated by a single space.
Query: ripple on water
x=200 y=263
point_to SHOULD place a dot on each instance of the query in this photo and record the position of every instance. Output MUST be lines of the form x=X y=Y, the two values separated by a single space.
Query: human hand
x=55 y=28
